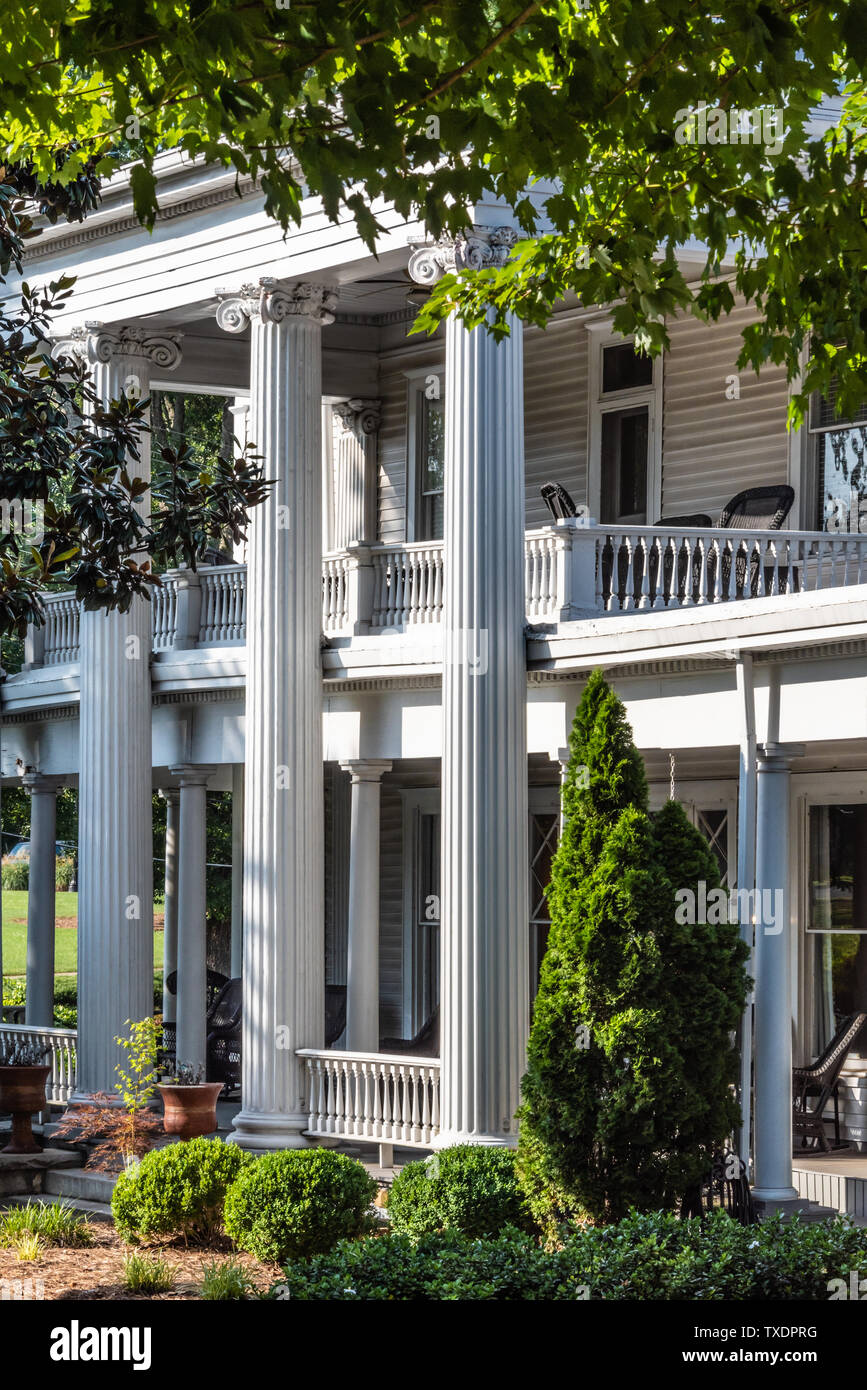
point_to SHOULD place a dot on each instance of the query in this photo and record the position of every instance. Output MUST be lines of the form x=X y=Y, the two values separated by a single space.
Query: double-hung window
x=625 y=408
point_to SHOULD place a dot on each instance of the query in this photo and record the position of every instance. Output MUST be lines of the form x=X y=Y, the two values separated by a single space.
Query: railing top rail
x=37 y=1030
x=205 y=570
x=330 y=1054
x=725 y=532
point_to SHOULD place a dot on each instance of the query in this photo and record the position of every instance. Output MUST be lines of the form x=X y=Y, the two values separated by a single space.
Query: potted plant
x=23 y=1073
x=190 y=1102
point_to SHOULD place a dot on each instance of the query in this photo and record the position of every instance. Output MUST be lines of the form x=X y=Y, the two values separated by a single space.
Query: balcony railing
x=572 y=571
x=375 y=1096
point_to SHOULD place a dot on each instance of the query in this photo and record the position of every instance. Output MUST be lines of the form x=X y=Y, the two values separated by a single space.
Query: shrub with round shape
x=298 y=1202
x=177 y=1191
x=469 y=1187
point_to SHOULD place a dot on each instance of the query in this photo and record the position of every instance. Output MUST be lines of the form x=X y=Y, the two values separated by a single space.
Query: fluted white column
x=115 y=845
x=192 y=1001
x=284 y=947
x=773 y=990
x=355 y=441
x=40 y=899
x=237 y=942
x=362 y=971
x=485 y=933
x=170 y=917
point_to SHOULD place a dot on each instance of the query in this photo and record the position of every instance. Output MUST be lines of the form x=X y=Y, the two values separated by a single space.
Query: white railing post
x=578 y=588
x=359 y=588
x=189 y=609
x=34 y=646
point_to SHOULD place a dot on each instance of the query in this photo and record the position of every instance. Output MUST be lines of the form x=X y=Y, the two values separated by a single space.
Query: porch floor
x=837 y=1179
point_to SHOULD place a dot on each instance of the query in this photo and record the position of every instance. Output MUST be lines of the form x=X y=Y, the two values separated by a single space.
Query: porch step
x=28 y=1173
x=841 y=1191
x=97 y=1211
x=805 y=1210
x=79 y=1185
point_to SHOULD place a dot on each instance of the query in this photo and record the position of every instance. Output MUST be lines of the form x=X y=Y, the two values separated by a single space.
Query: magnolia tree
x=619 y=132
x=631 y=1064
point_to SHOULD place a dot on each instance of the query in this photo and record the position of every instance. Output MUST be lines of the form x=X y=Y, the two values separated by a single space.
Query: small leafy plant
x=118 y=1137
x=148 y=1273
x=137 y=1086
x=28 y=1245
x=225 y=1281
x=187 y=1074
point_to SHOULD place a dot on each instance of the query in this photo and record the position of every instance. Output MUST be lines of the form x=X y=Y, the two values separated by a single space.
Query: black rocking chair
x=223 y=1046
x=335 y=1013
x=822 y=1078
x=426 y=1042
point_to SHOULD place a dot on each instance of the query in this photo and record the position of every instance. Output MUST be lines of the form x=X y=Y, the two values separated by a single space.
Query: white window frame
x=602 y=335
x=416 y=379
x=416 y=801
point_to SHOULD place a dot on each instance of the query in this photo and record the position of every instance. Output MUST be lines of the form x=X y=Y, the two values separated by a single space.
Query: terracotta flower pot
x=22 y=1092
x=190 y=1110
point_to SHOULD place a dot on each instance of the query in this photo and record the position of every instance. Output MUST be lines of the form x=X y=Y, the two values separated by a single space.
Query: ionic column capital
x=366 y=769
x=478 y=248
x=359 y=416
x=92 y=343
x=272 y=301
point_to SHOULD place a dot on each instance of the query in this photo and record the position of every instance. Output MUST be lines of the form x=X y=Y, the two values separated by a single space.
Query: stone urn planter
x=190 y=1110
x=22 y=1093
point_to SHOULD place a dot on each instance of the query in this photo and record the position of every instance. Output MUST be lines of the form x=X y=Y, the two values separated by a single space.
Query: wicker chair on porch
x=223 y=1046
x=426 y=1042
x=821 y=1078
x=335 y=1013
x=754 y=509
x=558 y=501
x=214 y=983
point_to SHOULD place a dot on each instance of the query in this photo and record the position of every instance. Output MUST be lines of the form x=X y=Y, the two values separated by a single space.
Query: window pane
x=842 y=480
x=624 y=368
x=431 y=459
x=624 y=465
x=838 y=868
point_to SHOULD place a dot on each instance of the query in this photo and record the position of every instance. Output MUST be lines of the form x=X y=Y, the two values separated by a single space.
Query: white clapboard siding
x=555 y=413
x=714 y=447
x=393 y=392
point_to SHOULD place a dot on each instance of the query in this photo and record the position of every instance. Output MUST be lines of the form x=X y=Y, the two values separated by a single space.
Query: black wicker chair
x=822 y=1078
x=426 y=1042
x=223 y=1047
x=726 y=1186
x=335 y=1013
x=754 y=509
x=214 y=983
x=558 y=501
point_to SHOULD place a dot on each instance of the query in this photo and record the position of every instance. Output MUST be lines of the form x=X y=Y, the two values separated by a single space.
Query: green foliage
x=15 y=875
x=137 y=1086
x=148 y=1273
x=13 y=991
x=226 y=1280
x=27 y=1245
x=177 y=1191
x=650 y=1257
x=468 y=1187
x=626 y=1092
x=298 y=1202
x=63 y=874
x=55 y=1223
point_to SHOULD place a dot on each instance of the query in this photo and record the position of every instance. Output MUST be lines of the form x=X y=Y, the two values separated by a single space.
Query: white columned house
x=191 y=906
x=484 y=909
x=283 y=895
x=40 y=899
x=773 y=990
x=362 y=994
x=115 y=838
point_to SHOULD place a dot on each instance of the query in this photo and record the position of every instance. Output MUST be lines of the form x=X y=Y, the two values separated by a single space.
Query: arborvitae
x=621 y=1098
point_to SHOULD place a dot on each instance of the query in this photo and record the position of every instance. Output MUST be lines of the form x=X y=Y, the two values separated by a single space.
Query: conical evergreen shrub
x=623 y=1101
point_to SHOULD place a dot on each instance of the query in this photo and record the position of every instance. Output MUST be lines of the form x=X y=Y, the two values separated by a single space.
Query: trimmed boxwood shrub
x=177 y=1191
x=298 y=1202
x=468 y=1187
x=654 y=1257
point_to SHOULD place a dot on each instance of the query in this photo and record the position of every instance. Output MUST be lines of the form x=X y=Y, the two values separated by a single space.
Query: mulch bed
x=97 y=1271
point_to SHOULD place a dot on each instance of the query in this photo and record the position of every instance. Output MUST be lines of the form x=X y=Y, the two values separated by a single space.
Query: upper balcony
x=570 y=575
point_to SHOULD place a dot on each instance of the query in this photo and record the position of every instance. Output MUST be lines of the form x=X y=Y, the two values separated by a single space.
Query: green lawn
x=65 y=937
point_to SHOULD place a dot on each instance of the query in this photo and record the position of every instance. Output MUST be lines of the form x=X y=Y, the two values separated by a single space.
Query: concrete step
x=79 y=1184
x=27 y=1172
x=97 y=1211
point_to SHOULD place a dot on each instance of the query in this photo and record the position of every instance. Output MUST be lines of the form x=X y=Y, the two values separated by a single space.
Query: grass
x=65 y=938
x=54 y=1223
x=148 y=1273
x=226 y=1280
x=28 y=1245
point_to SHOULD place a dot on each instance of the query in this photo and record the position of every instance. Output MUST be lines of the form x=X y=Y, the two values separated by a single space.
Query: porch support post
x=170 y=919
x=283 y=895
x=192 y=1003
x=362 y=977
x=356 y=423
x=40 y=899
x=237 y=869
x=485 y=934
x=746 y=880
x=115 y=843
x=773 y=1007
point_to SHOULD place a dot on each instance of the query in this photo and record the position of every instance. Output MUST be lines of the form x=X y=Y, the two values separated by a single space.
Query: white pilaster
x=283 y=997
x=115 y=856
x=170 y=918
x=485 y=945
x=40 y=899
x=773 y=993
x=355 y=442
x=237 y=941
x=192 y=1001
x=362 y=978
